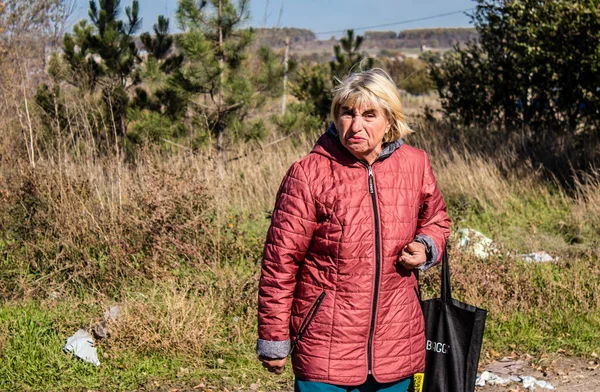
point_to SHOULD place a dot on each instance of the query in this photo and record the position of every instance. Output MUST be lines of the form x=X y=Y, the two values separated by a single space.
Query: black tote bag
x=454 y=333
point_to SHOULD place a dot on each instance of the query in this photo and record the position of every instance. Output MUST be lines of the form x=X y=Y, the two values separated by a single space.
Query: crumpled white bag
x=531 y=382
x=82 y=345
x=489 y=378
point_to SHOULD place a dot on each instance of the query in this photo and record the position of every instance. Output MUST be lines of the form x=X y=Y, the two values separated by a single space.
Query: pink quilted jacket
x=330 y=289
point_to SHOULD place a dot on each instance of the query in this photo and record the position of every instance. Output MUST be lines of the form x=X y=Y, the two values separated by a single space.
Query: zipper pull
x=371 y=186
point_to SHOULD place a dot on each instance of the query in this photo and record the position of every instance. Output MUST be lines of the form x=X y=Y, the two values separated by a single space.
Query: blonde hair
x=376 y=89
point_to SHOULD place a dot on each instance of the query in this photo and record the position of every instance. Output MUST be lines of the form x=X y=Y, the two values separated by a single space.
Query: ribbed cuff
x=272 y=349
x=430 y=249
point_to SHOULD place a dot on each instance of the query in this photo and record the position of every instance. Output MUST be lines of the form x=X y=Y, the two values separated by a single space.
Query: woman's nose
x=356 y=123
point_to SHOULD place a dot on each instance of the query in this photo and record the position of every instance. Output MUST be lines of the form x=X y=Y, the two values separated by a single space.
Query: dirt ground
x=564 y=373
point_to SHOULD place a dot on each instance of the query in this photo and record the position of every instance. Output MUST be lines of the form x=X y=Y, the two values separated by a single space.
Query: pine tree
x=348 y=56
x=214 y=76
x=160 y=46
x=103 y=55
x=315 y=83
x=157 y=94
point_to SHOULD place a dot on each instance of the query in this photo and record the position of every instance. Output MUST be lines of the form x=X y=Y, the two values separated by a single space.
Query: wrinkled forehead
x=360 y=100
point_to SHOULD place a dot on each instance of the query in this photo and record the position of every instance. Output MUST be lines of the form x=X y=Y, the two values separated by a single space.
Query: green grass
x=540 y=332
x=524 y=224
x=552 y=316
x=33 y=333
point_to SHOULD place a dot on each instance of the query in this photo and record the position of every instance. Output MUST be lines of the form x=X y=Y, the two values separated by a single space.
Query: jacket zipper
x=312 y=312
x=377 y=267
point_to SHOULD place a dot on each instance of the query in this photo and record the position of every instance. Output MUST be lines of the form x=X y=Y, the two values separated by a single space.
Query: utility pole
x=280 y=15
x=266 y=15
x=220 y=130
x=285 y=75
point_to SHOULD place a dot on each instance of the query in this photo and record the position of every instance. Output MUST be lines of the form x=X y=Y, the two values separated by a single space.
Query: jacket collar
x=329 y=145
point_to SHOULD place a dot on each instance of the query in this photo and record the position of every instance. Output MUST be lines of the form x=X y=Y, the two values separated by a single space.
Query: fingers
x=273 y=365
x=413 y=255
x=274 y=369
x=414 y=247
x=278 y=370
x=411 y=262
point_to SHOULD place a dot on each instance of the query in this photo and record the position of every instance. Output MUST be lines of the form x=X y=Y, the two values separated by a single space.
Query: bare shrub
x=95 y=221
x=504 y=285
x=586 y=209
x=168 y=319
x=204 y=315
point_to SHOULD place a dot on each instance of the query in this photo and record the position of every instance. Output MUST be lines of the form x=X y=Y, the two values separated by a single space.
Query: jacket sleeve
x=433 y=224
x=292 y=225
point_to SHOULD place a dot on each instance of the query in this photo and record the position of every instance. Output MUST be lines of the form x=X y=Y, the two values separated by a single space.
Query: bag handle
x=446 y=293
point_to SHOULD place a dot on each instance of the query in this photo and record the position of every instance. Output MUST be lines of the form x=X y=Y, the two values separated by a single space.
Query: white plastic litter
x=531 y=382
x=82 y=345
x=489 y=378
x=493 y=379
x=101 y=329
x=476 y=242
x=544 y=384
x=113 y=313
x=538 y=257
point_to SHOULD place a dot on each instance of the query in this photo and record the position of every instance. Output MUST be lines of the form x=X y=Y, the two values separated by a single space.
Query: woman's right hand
x=273 y=365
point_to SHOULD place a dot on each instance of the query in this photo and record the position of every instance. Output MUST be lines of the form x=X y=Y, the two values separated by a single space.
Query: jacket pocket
x=312 y=312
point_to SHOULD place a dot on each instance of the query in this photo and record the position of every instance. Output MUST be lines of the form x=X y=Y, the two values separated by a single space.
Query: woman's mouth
x=355 y=139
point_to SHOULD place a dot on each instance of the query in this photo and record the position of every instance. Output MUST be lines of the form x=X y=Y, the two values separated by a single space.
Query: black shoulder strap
x=446 y=291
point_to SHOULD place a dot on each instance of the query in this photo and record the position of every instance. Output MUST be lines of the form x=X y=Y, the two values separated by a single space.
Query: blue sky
x=325 y=15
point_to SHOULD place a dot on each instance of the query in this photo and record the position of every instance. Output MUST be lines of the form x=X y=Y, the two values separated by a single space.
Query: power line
x=398 y=23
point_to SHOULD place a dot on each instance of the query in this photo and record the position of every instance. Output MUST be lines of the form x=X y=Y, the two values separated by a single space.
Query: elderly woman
x=352 y=222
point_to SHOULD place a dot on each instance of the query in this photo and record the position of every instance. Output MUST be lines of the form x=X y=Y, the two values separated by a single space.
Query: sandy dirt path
x=566 y=374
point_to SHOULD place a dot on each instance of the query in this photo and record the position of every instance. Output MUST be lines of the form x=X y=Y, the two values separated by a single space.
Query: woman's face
x=361 y=130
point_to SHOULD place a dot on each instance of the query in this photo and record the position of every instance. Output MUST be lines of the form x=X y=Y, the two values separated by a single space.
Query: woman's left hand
x=273 y=365
x=413 y=255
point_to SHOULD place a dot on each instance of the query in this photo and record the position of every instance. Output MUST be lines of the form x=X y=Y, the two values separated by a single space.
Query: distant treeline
x=275 y=37
x=435 y=38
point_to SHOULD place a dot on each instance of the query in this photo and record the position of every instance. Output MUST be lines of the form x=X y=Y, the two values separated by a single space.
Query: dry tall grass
x=165 y=317
x=82 y=215
x=587 y=205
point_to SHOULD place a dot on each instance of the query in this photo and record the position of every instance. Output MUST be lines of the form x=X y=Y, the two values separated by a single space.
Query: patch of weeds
x=32 y=335
x=525 y=223
x=538 y=332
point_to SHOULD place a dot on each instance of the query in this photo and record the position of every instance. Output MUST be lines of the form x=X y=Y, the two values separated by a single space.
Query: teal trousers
x=369 y=386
